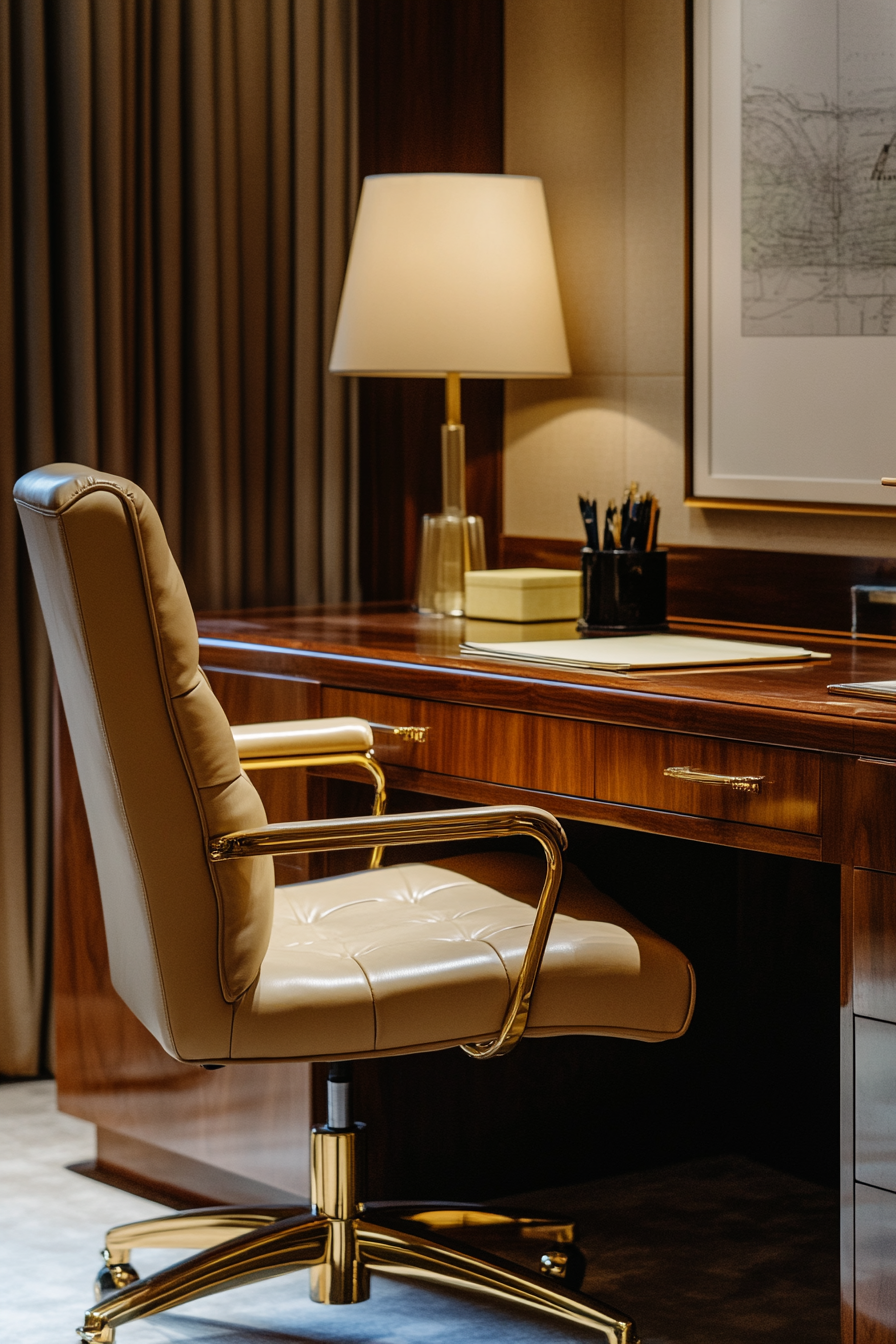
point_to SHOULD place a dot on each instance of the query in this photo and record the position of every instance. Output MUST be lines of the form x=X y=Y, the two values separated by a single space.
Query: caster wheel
x=566 y=1263
x=105 y=1334
x=111 y=1278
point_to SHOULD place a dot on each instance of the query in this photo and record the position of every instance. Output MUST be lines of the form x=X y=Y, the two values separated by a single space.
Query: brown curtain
x=177 y=187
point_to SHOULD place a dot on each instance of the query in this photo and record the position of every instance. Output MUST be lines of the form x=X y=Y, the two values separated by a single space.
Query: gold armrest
x=420 y=828
x=302 y=737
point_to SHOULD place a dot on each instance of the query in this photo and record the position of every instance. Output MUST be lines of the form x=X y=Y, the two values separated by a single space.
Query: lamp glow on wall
x=451 y=275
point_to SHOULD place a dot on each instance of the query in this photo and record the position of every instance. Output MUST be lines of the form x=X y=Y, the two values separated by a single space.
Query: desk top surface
x=364 y=645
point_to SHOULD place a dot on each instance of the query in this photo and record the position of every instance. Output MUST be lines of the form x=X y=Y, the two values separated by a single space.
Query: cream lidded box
x=523 y=594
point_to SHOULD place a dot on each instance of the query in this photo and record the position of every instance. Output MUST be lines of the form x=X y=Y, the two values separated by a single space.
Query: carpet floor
x=721 y=1251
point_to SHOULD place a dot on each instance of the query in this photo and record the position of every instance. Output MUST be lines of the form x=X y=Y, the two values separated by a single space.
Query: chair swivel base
x=340 y=1240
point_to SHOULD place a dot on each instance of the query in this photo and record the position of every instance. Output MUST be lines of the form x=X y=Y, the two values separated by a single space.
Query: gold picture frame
x=733 y=376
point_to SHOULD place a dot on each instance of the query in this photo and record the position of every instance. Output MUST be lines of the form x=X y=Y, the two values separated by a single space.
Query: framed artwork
x=793 y=254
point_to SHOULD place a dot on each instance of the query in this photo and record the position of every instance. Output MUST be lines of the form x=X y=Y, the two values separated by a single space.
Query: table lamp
x=450 y=275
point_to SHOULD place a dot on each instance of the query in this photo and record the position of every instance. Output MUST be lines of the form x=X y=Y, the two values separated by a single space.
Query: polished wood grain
x=708 y=830
x=366 y=648
x=171 y=1177
x=873 y=795
x=837 y=808
x=875 y=1319
x=523 y=750
x=539 y=552
x=430 y=99
x=875 y=1133
x=719 y=583
x=874 y=945
x=630 y=763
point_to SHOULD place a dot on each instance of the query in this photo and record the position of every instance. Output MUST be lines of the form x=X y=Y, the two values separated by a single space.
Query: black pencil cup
x=623 y=590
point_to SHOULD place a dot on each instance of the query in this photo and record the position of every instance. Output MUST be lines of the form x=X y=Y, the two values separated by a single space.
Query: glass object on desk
x=450 y=544
x=873 y=609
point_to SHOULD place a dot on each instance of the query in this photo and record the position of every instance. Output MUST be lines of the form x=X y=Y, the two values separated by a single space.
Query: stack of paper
x=632 y=653
x=866 y=690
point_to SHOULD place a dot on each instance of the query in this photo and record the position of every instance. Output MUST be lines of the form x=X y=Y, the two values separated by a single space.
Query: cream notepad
x=633 y=653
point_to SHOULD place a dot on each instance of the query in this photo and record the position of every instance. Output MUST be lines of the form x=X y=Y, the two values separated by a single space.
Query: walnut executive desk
x=590 y=747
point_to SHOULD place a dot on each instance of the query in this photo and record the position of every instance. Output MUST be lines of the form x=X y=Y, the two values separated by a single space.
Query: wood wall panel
x=874 y=945
x=431 y=99
x=522 y=750
x=630 y=764
x=875 y=1321
x=718 y=583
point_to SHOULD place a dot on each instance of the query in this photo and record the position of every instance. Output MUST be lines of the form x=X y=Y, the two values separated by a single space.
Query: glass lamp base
x=450 y=544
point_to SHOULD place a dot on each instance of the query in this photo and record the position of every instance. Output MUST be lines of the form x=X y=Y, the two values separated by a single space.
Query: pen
x=651 y=531
x=631 y=527
x=588 y=510
x=608 y=525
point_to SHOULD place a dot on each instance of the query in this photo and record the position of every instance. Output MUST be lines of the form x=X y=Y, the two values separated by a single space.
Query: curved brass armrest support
x=420 y=828
x=367 y=760
x=308 y=744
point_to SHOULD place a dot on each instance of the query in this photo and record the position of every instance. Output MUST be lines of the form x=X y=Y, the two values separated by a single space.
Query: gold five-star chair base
x=340 y=1240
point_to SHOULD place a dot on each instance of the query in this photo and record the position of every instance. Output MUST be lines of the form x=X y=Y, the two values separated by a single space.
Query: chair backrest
x=156 y=759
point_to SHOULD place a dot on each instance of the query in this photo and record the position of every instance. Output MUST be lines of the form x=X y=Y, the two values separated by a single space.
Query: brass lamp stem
x=454 y=494
x=452 y=399
x=452 y=541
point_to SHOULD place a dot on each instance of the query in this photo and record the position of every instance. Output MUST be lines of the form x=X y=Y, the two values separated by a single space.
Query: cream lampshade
x=451 y=275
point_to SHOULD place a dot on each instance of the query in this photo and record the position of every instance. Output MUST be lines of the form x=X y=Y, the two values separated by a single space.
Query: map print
x=818 y=135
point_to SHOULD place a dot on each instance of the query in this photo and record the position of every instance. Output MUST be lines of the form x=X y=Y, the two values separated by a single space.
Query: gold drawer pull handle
x=739 y=783
x=409 y=734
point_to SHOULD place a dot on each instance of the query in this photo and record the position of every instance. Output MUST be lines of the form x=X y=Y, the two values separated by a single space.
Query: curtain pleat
x=324 y=408
x=26 y=419
x=177 y=187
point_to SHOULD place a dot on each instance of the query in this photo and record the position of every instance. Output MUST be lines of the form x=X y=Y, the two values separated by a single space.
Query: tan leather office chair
x=224 y=968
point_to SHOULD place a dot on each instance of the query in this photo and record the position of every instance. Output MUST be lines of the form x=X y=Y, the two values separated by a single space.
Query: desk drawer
x=630 y=766
x=526 y=751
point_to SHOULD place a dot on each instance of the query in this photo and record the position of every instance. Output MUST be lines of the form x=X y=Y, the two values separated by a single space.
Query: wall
x=594 y=104
x=430 y=100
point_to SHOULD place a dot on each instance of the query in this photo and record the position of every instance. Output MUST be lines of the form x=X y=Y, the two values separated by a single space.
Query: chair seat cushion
x=419 y=956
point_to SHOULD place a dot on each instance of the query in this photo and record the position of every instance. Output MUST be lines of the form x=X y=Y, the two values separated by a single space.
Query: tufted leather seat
x=421 y=957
